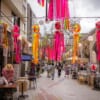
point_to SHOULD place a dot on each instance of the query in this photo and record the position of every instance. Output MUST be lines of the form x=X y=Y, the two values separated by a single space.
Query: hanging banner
x=35 y=43
x=98 y=40
x=41 y=2
x=58 y=9
x=17 y=44
x=5 y=38
x=76 y=30
x=58 y=43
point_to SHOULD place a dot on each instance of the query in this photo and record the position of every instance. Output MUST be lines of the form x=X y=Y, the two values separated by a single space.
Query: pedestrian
x=32 y=74
x=52 y=71
x=48 y=70
x=59 y=68
x=66 y=71
x=38 y=70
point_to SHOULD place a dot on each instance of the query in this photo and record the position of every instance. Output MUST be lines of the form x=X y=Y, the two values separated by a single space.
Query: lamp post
x=90 y=39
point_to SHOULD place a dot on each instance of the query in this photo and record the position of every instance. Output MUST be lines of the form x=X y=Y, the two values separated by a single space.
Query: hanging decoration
x=41 y=2
x=76 y=30
x=17 y=44
x=75 y=47
x=98 y=40
x=35 y=43
x=67 y=24
x=58 y=42
x=5 y=37
x=58 y=9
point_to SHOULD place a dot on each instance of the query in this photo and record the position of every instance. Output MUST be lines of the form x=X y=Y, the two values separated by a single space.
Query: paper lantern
x=58 y=25
x=76 y=28
x=36 y=28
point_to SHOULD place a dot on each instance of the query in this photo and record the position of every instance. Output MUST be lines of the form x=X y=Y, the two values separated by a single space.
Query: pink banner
x=98 y=40
x=17 y=45
x=58 y=9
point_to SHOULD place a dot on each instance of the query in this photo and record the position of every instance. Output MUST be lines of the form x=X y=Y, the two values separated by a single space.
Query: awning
x=84 y=60
x=26 y=57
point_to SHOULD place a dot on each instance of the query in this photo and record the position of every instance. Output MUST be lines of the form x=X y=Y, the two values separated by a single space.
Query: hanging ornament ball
x=57 y=25
x=76 y=28
x=36 y=28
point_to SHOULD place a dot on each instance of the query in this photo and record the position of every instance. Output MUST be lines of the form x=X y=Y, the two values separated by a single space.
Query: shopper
x=59 y=68
x=66 y=71
x=32 y=74
x=52 y=71
x=38 y=70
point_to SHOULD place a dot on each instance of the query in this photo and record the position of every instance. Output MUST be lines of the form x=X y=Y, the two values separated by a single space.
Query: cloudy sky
x=78 y=8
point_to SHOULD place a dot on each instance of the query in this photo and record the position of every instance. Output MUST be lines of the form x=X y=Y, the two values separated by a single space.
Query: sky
x=78 y=8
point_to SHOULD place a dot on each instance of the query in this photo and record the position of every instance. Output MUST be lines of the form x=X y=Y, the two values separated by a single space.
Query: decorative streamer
x=58 y=43
x=16 y=44
x=41 y=2
x=35 y=43
x=5 y=38
x=75 y=47
x=76 y=30
x=98 y=40
x=66 y=24
x=58 y=9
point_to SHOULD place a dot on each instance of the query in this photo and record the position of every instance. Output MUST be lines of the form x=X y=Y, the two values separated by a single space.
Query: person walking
x=38 y=70
x=66 y=71
x=52 y=71
x=59 y=68
x=32 y=75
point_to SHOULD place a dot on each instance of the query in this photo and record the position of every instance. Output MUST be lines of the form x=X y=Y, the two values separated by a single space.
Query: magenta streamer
x=58 y=9
x=16 y=43
x=98 y=40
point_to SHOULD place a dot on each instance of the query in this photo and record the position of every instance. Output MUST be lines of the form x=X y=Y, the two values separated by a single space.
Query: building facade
x=14 y=12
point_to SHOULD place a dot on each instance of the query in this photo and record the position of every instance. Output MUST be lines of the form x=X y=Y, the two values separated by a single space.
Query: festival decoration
x=35 y=43
x=76 y=36
x=8 y=72
x=58 y=42
x=58 y=9
x=98 y=40
x=17 y=45
x=41 y=2
x=66 y=24
x=75 y=47
x=76 y=28
x=5 y=38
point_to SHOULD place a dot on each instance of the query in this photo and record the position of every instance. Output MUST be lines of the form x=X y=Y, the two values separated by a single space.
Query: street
x=62 y=88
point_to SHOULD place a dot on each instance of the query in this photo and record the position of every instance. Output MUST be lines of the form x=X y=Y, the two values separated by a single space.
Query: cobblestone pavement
x=62 y=88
